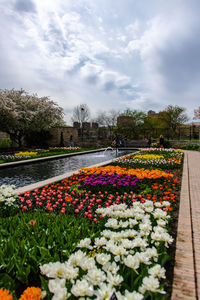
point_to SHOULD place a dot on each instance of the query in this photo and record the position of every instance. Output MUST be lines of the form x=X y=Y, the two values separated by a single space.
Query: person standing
x=149 y=142
x=71 y=142
x=125 y=141
x=161 y=141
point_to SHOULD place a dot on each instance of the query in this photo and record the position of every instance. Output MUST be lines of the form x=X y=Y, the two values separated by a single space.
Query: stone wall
x=61 y=135
x=179 y=142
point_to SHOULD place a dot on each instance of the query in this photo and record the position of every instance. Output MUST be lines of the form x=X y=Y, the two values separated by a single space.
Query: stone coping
x=42 y=183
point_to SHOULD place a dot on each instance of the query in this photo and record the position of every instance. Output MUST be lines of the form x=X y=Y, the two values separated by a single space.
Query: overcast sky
x=137 y=54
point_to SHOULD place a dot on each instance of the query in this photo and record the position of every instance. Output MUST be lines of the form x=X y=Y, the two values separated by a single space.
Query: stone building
x=60 y=136
x=152 y=113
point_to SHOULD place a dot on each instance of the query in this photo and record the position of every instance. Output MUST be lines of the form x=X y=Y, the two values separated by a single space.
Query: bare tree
x=81 y=113
x=108 y=119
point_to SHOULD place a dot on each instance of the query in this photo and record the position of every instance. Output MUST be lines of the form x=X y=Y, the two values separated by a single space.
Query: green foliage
x=137 y=116
x=38 y=139
x=133 y=129
x=190 y=147
x=173 y=116
x=167 y=144
x=5 y=143
x=24 y=247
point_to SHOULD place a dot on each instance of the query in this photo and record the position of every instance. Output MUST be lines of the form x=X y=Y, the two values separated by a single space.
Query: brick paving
x=186 y=284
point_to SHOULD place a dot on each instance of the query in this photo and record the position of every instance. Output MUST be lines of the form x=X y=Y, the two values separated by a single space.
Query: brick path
x=186 y=283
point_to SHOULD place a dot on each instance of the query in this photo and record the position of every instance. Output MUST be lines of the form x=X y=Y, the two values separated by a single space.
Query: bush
x=38 y=139
x=5 y=143
x=190 y=147
x=167 y=144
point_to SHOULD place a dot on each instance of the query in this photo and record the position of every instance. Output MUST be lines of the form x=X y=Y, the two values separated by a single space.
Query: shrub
x=190 y=147
x=167 y=144
x=5 y=143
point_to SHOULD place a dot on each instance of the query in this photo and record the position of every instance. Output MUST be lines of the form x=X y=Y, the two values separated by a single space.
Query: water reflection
x=31 y=173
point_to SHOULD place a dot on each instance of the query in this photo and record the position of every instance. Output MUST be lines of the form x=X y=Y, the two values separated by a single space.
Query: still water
x=27 y=174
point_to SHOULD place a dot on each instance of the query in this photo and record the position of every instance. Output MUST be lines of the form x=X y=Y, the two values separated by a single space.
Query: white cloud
x=85 y=50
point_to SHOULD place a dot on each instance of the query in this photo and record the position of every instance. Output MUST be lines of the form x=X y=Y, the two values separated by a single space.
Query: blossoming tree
x=197 y=113
x=21 y=113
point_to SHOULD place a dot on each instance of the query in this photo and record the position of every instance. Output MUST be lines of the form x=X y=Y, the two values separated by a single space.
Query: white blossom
x=103 y=258
x=85 y=243
x=95 y=276
x=157 y=271
x=150 y=284
x=82 y=288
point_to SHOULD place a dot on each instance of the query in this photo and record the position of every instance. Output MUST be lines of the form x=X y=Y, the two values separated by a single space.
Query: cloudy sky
x=137 y=54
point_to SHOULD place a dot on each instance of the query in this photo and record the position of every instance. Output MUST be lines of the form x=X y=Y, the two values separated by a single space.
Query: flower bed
x=130 y=252
x=117 y=242
x=38 y=153
x=153 y=158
